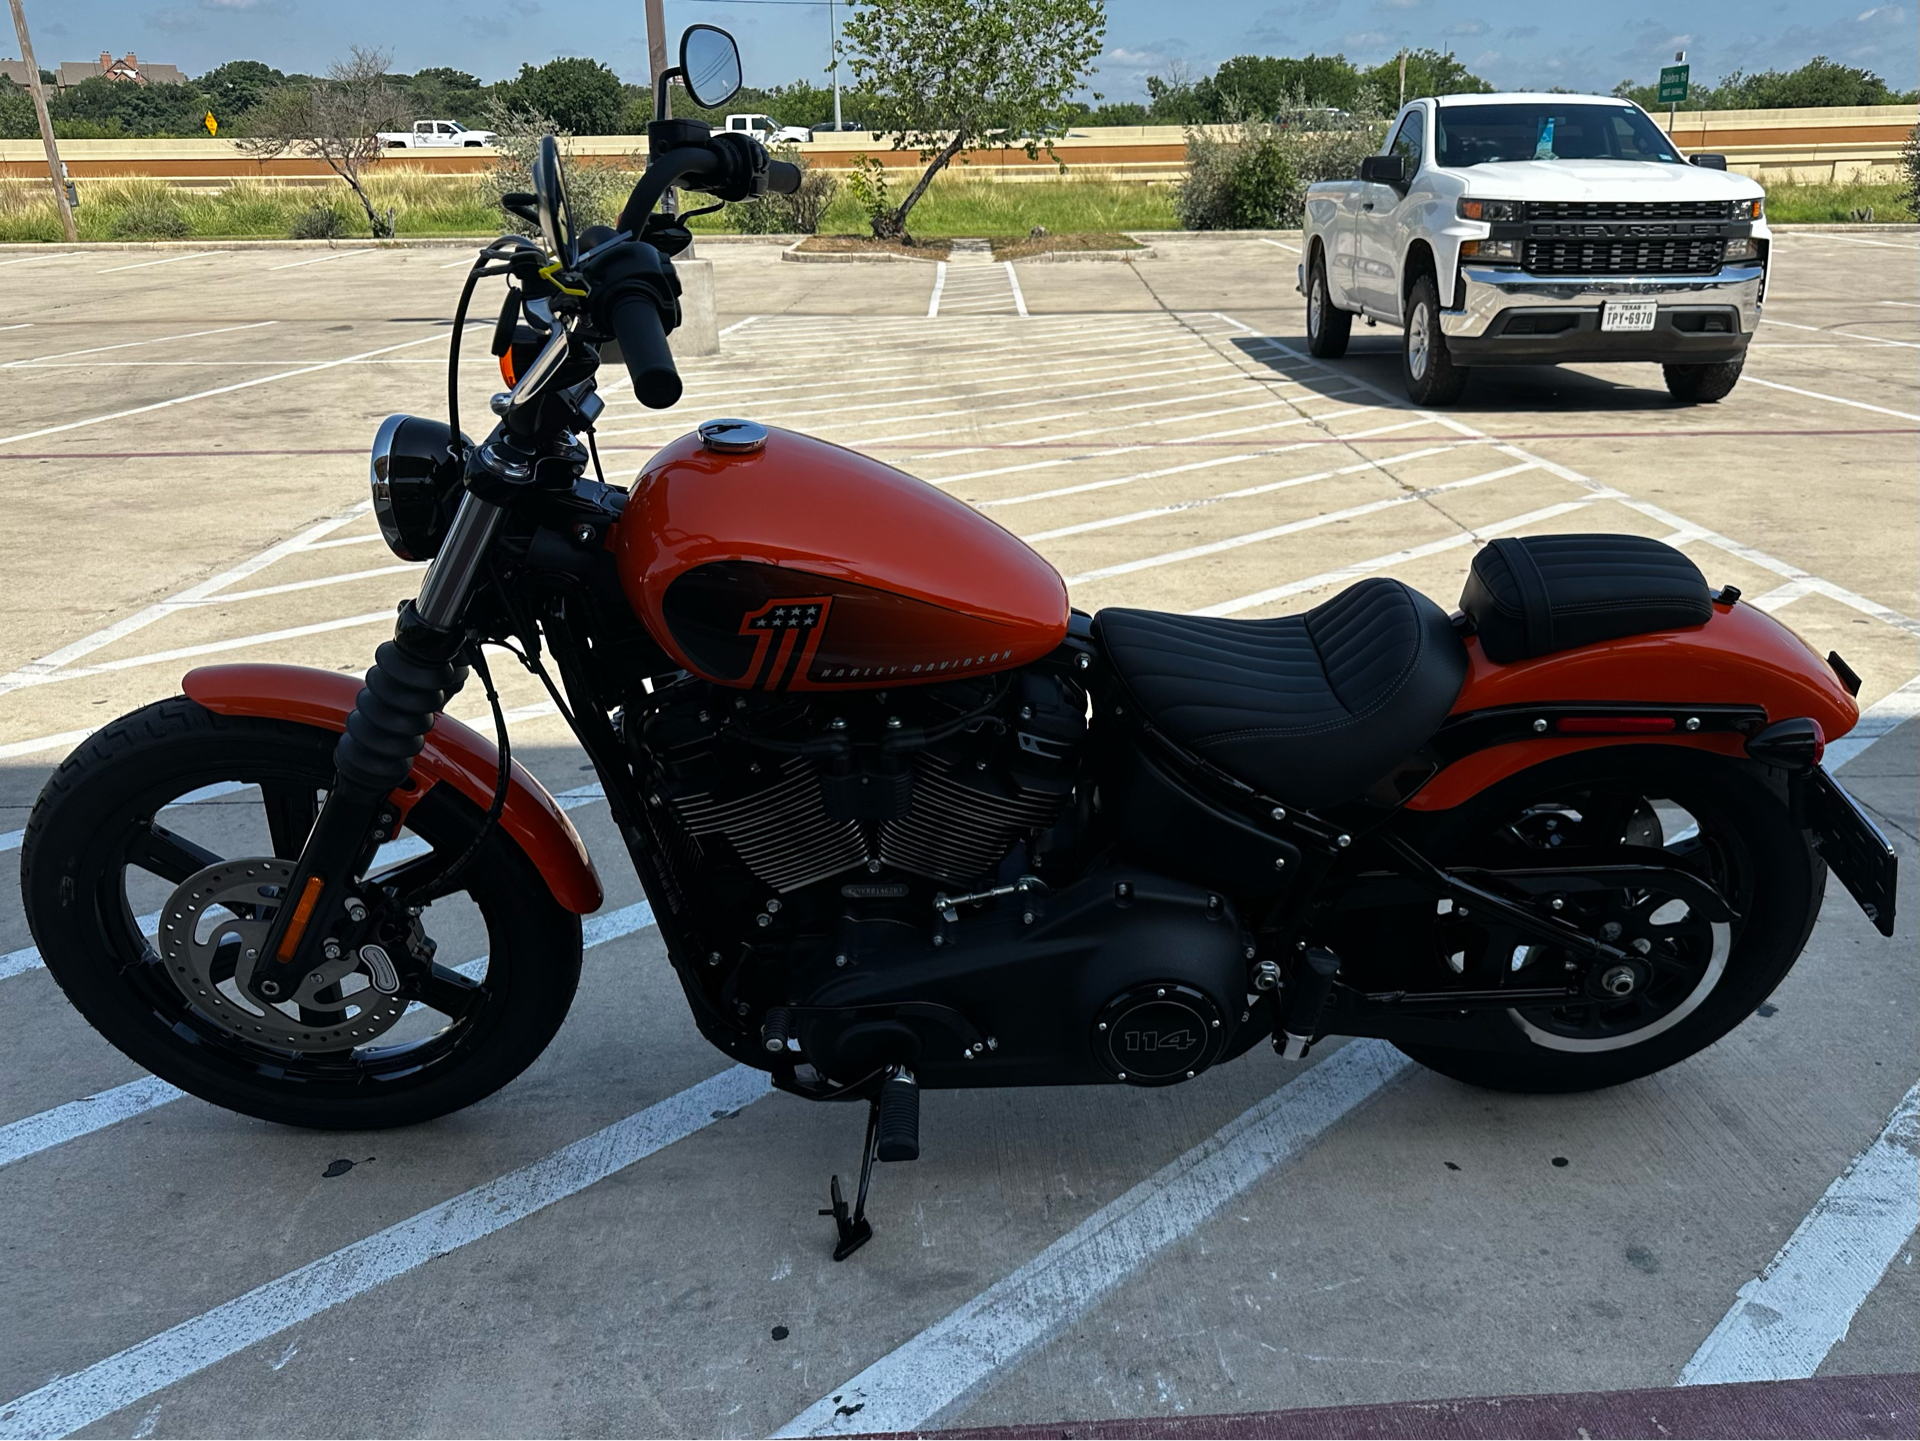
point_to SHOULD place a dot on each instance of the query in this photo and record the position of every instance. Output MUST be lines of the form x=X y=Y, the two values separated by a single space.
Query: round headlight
x=414 y=472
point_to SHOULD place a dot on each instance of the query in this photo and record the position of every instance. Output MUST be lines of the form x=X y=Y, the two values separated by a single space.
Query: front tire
x=1703 y=384
x=94 y=854
x=1427 y=366
x=1712 y=816
x=1328 y=328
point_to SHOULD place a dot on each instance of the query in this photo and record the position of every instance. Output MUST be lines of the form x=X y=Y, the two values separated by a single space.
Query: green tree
x=1257 y=87
x=1820 y=82
x=17 y=120
x=950 y=76
x=580 y=96
x=441 y=93
x=236 y=87
x=1117 y=112
x=134 y=109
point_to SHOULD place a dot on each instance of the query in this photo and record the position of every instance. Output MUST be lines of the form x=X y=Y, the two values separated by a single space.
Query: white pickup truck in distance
x=1537 y=230
x=429 y=133
x=769 y=131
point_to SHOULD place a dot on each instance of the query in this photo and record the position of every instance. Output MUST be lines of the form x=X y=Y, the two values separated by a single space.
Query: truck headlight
x=1490 y=250
x=1748 y=209
x=1744 y=248
x=414 y=472
x=1471 y=209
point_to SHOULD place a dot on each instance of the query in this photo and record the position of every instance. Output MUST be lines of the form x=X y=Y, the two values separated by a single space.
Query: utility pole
x=656 y=53
x=55 y=172
x=1403 y=76
x=833 y=40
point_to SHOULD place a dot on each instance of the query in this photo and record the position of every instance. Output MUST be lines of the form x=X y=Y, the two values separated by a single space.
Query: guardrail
x=1844 y=144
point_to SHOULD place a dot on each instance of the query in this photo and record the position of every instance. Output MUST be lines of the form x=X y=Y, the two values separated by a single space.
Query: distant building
x=16 y=71
x=128 y=68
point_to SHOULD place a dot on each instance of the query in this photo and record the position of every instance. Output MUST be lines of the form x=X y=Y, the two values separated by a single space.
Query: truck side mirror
x=1384 y=169
x=1708 y=162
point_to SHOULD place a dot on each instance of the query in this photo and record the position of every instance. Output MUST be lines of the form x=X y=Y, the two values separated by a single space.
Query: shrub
x=797 y=214
x=318 y=222
x=1910 y=170
x=595 y=191
x=151 y=219
x=1247 y=183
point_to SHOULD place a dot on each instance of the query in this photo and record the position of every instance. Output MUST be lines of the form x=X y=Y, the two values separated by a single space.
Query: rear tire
x=1328 y=328
x=1702 y=384
x=1747 y=844
x=1432 y=377
x=77 y=862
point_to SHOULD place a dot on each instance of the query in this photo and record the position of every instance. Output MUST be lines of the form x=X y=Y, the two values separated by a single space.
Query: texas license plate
x=1628 y=314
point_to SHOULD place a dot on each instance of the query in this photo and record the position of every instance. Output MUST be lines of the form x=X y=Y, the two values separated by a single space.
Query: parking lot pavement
x=625 y=1239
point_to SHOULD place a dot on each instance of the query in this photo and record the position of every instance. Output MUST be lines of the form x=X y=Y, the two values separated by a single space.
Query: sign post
x=1673 y=86
x=56 y=172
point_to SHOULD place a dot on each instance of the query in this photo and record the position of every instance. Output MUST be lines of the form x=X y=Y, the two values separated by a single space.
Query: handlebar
x=782 y=178
x=661 y=173
x=635 y=322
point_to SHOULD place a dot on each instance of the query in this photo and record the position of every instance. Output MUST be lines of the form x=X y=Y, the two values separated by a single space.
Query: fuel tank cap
x=733 y=437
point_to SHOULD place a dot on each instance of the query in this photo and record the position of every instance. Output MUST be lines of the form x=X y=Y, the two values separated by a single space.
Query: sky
x=1516 y=44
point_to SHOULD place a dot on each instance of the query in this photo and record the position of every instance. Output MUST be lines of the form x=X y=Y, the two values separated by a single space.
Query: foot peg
x=893 y=1134
x=1303 y=1001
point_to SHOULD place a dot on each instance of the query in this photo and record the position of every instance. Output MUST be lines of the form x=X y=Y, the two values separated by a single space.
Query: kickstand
x=854 y=1228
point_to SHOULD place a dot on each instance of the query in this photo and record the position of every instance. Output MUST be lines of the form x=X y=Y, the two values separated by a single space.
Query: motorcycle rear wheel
x=93 y=845
x=1713 y=816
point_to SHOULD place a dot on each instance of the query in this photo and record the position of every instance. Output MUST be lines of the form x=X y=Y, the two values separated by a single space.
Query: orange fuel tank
x=803 y=566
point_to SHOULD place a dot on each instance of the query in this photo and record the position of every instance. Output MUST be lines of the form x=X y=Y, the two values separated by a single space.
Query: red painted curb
x=1825 y=1406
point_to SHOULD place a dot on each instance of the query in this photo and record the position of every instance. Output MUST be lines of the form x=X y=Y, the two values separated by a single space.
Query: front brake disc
x=211 y=931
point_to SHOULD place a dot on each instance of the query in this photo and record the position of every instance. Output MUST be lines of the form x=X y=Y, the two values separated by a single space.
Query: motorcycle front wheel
x=173 y=793
x=1688 y=981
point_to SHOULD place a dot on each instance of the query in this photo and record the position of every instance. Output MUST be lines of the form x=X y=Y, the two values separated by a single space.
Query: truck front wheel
x=1327 y=326
x=1697 y=384
x=1432 y=377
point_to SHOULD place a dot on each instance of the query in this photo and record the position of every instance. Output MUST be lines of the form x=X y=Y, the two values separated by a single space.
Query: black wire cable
x=443 y=882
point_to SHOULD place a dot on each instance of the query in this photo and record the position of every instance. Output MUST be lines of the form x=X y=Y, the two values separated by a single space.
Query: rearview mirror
x=709 y=65
x=1384 y=169
x=1709 y=162
x=550 y=200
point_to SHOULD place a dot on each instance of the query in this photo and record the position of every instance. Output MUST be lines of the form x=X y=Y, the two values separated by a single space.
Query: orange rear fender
x=454 y=754
x=1741 y=657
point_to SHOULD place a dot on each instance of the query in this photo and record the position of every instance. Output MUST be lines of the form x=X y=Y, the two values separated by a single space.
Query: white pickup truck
x=769 y=131
x=429 y=133
x=1535 y=230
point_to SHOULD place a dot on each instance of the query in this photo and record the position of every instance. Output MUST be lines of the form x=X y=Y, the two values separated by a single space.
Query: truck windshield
x=1482 y=134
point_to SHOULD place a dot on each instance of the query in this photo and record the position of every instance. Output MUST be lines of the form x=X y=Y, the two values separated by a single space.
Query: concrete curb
x=833 y=257
x=1828 y=227
x=1066 y=257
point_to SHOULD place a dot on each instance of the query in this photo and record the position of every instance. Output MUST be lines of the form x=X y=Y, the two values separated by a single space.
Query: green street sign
x=1673 y=84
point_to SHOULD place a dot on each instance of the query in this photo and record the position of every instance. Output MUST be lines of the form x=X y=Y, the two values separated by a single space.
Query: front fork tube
x=413 y=677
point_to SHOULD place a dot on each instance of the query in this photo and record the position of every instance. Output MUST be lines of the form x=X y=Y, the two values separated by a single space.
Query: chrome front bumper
x=1486 y=292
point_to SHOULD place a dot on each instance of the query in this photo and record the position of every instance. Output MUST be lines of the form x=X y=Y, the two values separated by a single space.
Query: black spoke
x=446 y=991
x=291 y=811
x=172 y=857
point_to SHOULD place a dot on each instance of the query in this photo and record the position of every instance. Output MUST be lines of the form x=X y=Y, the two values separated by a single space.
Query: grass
x=1023 y=247
x=1809 y=204
x=1070 y=207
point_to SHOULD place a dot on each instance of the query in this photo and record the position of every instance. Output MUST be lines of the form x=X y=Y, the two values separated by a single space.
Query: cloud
x=1366 y=39
x=262 y=7
x=1520 y=32
x=1466 y=27
x=1398 y=4
x=175 y=20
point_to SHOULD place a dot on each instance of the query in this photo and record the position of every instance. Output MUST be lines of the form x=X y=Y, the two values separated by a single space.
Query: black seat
x=1309 y=709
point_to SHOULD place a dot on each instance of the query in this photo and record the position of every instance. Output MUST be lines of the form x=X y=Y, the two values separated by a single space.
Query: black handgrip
x=643 y=345
x=783 y=178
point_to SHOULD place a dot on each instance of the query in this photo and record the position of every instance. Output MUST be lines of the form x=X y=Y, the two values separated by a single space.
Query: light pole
x=54 y=172
x=833 y=51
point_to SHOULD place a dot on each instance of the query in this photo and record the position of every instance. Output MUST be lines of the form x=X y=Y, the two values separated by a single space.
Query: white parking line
x=939 y=284
x=1852 y=240
x=1877 y=720
x=1280 y=245
x=911 y=1385
x=1834 y=399
x=170 y=260
x=67 y=1403
x=1822 y=330
x=223 y=389
x=131 y=344
x=55 y=1127
x=1019 y=299
x=28 y=259
x=57 y=741
x=214 y=647
x=1801 y=1306
x=322 y=260
x=325 y=580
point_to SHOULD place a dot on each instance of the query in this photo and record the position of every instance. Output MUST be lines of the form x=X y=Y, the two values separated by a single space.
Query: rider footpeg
x=899 y=1113
x=1303 y=1001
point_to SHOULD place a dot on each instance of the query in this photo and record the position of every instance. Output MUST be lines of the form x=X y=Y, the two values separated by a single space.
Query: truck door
x=444 y=133
x=423 y=132
x=1378 y=222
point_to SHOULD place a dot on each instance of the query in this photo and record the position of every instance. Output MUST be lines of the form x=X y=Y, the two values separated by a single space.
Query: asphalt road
x=624 y=1240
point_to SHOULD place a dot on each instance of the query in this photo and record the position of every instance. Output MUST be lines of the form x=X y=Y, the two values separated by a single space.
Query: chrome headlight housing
x=1743 y=247
x=414 y=473
x=1507 y=250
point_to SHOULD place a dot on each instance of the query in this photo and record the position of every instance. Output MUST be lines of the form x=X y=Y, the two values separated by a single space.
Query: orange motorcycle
x=907 y=819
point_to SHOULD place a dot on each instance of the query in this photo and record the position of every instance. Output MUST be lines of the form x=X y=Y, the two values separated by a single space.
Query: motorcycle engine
x=765 y=799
